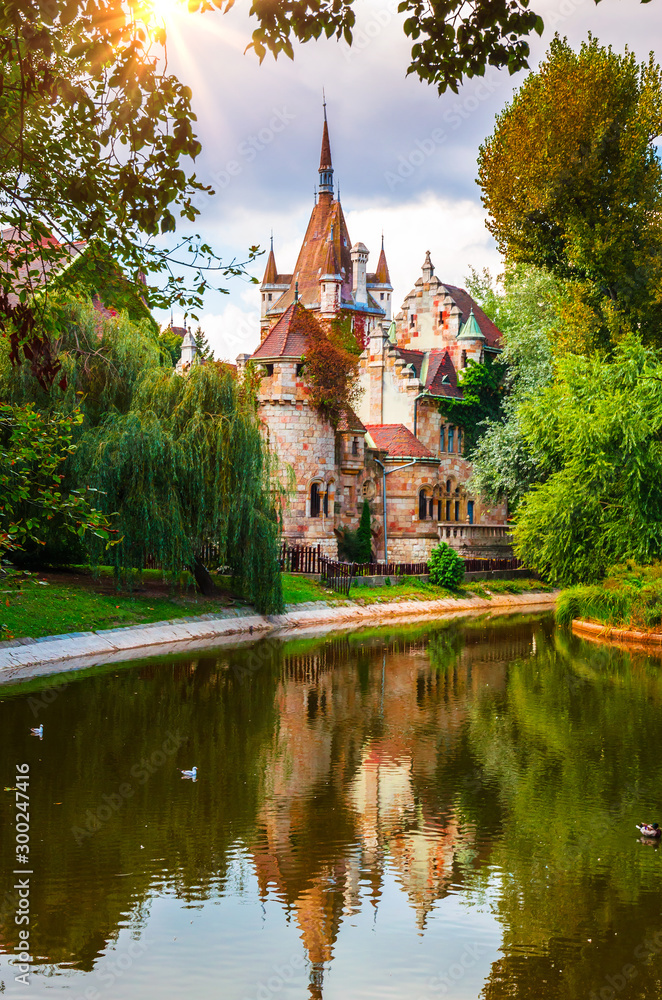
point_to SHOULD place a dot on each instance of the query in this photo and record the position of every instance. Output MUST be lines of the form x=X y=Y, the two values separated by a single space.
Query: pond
x=429 y=811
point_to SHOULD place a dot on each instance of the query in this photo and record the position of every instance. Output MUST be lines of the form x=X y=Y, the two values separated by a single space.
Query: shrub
x=446 y=567
x=364 y=535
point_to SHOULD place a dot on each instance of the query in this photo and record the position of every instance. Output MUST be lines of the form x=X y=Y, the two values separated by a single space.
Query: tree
x=33 y=448
x=596 y=436
x=573 y=184
x=364 y=536
x=526 y=312
x=95 y=140
x=185 y=466
x=482 y=400
x=205 y=350
x=446 y=566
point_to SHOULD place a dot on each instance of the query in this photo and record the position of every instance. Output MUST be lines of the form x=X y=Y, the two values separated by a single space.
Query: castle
x=397 y=450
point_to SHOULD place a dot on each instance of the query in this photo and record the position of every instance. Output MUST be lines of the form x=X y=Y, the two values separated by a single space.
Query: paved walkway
x=33 y=657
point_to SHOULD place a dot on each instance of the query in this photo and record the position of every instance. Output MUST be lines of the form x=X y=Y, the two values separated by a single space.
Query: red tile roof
x=326 y=214
x=350 y=422
x=441 y=377
x=396 y=440
x=465 y=304
x=413 y=358
x=284 y=340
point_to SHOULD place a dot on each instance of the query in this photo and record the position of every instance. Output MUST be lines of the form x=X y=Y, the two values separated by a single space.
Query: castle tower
x=330 y=282
x=273 y=286
x=380 y=287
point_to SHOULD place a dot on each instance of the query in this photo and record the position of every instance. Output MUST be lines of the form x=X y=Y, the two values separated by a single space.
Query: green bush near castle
x=446 y=567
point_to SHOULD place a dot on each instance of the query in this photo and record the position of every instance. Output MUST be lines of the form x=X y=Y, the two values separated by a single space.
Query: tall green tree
x=573 y=184
x=596 y=437
x=364 y=536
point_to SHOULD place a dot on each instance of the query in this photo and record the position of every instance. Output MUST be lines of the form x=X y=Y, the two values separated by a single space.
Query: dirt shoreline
x=54 y=654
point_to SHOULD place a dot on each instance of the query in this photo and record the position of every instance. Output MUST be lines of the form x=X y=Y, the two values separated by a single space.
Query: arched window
x=451 y=440
x=457 y=510
x=448 y=510
x=448 y=485
x=315 y=500
x=422 y=506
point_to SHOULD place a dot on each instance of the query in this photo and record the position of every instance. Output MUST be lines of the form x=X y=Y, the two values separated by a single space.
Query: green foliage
x=630 y=596
x=33 y=448
x=330 y=368
x=526 y=312
x=483 y=388
x=186 y=465
x=364 y=535
x=95 y=272
x=205 y=352
x=572 y=183
x=446 y=567
x=595 y=435
x=171 y=344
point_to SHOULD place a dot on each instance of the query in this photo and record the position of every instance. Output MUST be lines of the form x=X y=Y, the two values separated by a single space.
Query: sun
x=165 y=12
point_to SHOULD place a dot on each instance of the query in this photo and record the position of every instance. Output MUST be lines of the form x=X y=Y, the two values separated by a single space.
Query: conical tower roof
x=471 y=330
x=383 y=277
x=271 y=271
x=325 y=155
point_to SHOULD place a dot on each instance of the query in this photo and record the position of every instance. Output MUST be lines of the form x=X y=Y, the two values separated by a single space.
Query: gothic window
x=451 y=440
x=448 y=487
x=439 y=510
x=422 y=506
x=448 y=510
x=442 y=438
x=315 y=500
x=457 y=510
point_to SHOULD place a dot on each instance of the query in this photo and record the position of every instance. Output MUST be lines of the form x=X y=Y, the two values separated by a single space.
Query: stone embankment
x=621 y=636
x=34 y=657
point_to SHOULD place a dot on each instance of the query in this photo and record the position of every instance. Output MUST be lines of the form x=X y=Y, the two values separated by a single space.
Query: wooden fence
x=485 y=565
x=300 y=558
x=336 y=575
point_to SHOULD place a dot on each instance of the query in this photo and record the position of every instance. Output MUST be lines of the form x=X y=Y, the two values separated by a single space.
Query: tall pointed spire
x=325 y=167
x=383 y=276
x=271 y=271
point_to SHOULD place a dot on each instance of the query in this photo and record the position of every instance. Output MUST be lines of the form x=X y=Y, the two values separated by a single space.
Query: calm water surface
x=414 y=813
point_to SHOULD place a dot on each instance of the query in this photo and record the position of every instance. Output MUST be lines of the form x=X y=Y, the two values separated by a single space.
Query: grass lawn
x=51 y=603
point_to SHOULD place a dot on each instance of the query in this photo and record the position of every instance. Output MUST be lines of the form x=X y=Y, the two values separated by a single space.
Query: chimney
x=359 y=255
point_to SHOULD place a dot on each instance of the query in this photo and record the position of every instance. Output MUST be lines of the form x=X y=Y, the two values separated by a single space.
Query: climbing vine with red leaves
x=330 y=365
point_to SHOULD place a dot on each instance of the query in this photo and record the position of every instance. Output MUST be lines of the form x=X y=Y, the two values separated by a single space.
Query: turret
x=471 y=341
x=359 y=255
x=189 y=352
x=325 y=167
x=380 y=286
x=273 y=286
x=428 y=267
x=330 y=281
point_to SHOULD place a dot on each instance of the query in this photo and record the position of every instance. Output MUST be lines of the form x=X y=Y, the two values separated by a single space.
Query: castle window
x=448 y=487
x=451 y=440
x=470 y=511
x=412 y=321
x=381 y=295
x=457 y=510
x=270 y=296
x=441 y=318
x=268 y=370
x=422 y=506
x=448 y=510
x=439 y=510
x=315 y=500
x=459 y=440
x=355 y=446
x=442 y=438
x=464 y=359
x=300 y=369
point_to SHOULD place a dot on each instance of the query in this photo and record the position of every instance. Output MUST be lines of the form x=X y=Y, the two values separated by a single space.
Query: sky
x=404 y=157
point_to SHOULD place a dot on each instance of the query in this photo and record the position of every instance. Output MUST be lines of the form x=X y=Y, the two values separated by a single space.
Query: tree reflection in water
x=444 y=757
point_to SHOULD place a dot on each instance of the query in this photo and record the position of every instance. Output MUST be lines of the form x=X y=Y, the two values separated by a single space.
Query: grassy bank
x=629 y=597
x=52 y=603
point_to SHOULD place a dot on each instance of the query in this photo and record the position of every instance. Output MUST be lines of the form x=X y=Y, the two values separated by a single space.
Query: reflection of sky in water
x=444 y=810
x=241 y=943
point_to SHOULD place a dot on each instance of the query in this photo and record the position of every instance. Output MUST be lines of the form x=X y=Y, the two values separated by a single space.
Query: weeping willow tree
x=186 y=466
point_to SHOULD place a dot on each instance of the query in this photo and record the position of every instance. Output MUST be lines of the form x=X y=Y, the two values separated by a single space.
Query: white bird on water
x=193 y=773
x=39 y=731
